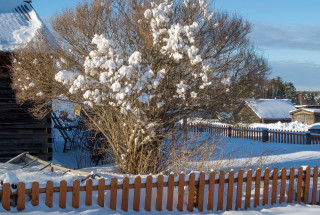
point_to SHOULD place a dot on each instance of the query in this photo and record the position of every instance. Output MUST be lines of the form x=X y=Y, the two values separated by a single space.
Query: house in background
x=19 y=132
x=308 y=114
x=265 y=111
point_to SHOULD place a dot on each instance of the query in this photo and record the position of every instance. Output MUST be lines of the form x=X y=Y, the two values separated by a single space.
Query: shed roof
x=310 y=110
x=271 y=108
x=19 y=23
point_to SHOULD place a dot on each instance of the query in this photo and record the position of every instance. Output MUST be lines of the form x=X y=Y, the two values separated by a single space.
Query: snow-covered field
x=244 y=153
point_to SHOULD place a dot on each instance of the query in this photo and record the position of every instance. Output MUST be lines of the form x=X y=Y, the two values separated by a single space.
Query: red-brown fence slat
x=307 y=185
x=113 y=193
x=76 y=193
x=201 y=191
x=315 y=185
x=274 y=186
x=21 y=196
x=148 y=196
x=211 y=191
x=159 y=193
x=266 y=187
x=49 y=194
x=136 y=193
x=248 y=189
x=239 y=190
x=221 y=191
x=101 y=188
x=125 y=194
x=299 y=185
x=191 y=192
x=35 y=194
x=170 y=192
x=230 y=190
x=283 y=185
x=88 y=201
x=180 y=192
x=6 y=191
x=63 y=194
x=257 y=188
x=291 y=186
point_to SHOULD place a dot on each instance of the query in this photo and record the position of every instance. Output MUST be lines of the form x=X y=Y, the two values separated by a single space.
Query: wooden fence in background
x=233 y=191
x=258 y=134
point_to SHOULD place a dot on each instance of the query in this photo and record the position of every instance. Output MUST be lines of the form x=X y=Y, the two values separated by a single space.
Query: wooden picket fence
x=233 y=191
x=273 y=135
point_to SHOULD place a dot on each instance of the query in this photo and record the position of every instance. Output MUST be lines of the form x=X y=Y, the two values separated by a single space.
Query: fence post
x=229 y=131
x=308 y=138
x=265 y=135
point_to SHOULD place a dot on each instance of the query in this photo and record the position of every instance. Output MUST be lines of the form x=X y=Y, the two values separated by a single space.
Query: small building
x=264 y=111
x=315 y=128
x=308 y=114
x=19 y=132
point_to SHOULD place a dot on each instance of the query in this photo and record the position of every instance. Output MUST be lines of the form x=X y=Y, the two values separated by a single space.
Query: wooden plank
x=221 y=191
x=191 y=192
x=148 y=196
x=63 y=194
x=180 y=193
x=291 y=185
x=230 y=190
x=6 y=191
x=248 y=189
x=35 y=194
x=315 y=184
x=257 y=188
x=113 y=194
x=136 y=194
x=307 y=185
x=266 y=187
x=159 y=193
x=201 y=191
x=299 y=185
x=21 y=196
x=88 y=201
x=274 y=186
x=211 y=191
x=49 y=194
x=170 y=192
x=101 y=187
x=125 y=194
x=239 y=190
x=76 y=193
x=283 y=185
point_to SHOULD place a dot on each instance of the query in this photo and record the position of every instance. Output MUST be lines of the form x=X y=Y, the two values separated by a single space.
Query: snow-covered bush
x=136 y=68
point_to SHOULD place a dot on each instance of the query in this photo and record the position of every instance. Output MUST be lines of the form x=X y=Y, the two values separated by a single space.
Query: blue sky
x=287 y=32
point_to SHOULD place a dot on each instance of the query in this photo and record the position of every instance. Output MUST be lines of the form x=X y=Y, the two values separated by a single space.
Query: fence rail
x=232 y=191
x=258 y=134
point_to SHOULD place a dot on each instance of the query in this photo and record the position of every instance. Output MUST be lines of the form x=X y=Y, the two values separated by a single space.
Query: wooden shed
x=264 y=111
x=306 y=114
x=19 y=132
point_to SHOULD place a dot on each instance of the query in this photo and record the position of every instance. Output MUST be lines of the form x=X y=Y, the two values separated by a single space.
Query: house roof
x=271 y=108
x=19 y=23
x=310 y=110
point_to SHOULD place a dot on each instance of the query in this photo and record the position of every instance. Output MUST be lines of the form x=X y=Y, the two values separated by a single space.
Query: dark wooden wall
x=19 y=132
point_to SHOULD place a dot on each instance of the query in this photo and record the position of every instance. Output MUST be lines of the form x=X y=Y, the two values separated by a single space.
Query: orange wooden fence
x=233 y=191
x=274 y=136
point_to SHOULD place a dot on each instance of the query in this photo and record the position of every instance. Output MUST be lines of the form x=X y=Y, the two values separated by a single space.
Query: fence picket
x=291 y=185
x=170 y=192
x=136 y=193
x=76 y=193
x=266 y=187
x=274 y=186
x=257 y=188
x=248 y=189
x=307 y=185
x=21 y=196
x=35 y=194
x=148 y=196
x=191 y=192
x=88 y=201
x=283 y=184
x=6 y=191
x=239 y=190
x=315 y=184
x=180 y=192
x=113 y=194
x=200 y=194
x=101 y=188
x=63 y=194
x=125 y=194
x=299 y=186
x=221 y=191
x=159 y=193
x=49 y=194
x=211 y=191
x=230 y=190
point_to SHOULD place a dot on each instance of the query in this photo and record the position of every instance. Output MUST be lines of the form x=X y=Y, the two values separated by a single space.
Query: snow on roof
x=271 y=108
x=315 y=126
x=18 y=24
x=310 y=110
